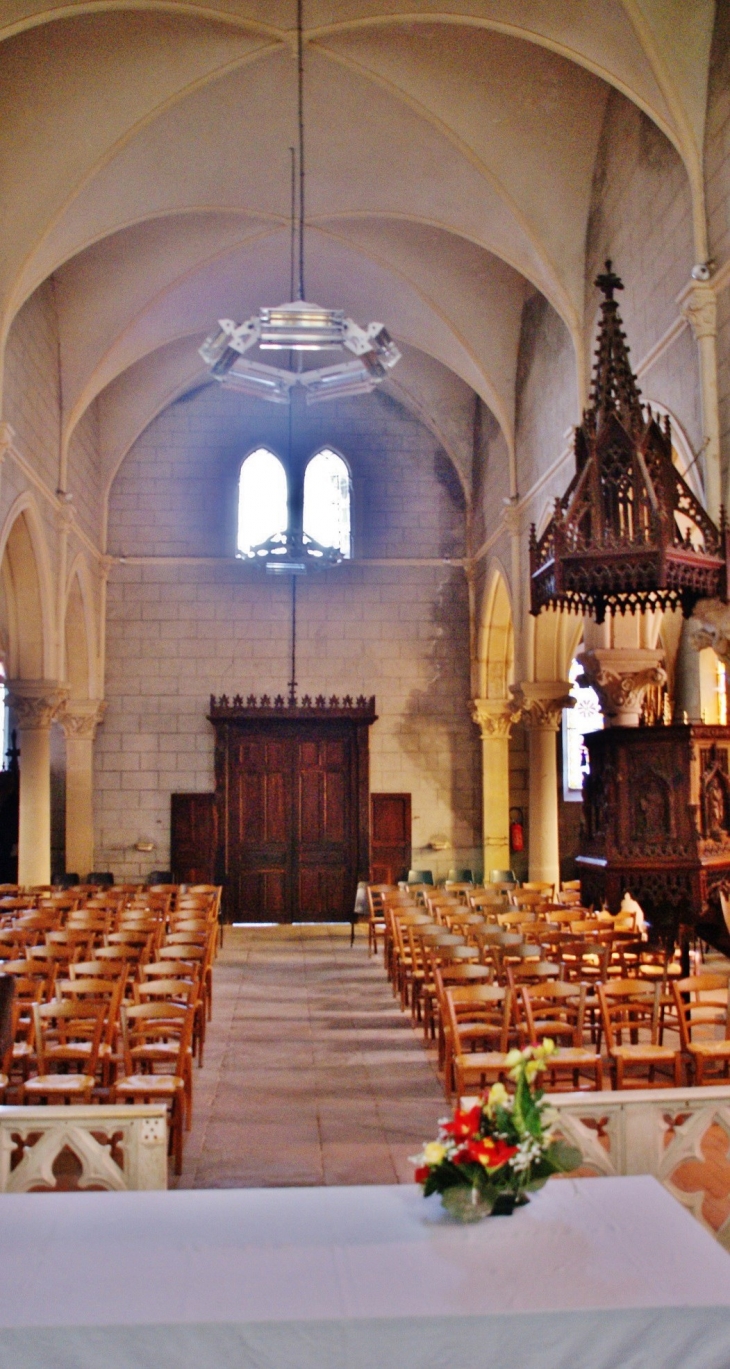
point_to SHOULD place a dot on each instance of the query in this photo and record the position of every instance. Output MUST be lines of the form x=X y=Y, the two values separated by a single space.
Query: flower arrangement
x=486 y=1159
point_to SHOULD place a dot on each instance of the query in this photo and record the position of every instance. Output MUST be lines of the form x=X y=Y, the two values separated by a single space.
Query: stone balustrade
x=47 y=1149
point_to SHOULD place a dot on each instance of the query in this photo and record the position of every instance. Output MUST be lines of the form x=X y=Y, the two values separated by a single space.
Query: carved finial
x=608 y=281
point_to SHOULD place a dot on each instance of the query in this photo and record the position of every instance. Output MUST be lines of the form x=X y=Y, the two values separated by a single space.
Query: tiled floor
x=312 y=1074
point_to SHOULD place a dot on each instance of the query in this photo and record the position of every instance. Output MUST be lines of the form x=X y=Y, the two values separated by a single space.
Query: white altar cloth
x=606 y=1273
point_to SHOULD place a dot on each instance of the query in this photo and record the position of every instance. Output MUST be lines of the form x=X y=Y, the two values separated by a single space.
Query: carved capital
x=35 y=703
x=105 y=566
x=540 y=704
x=698 y=304
x=80 y=720
x=511 y=516
x=65 y=518
x=493 y=717
x=621 y=679
x=710 y=626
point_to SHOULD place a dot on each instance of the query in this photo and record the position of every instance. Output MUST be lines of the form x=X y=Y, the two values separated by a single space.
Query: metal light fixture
x=628 y=533
x=300 y=327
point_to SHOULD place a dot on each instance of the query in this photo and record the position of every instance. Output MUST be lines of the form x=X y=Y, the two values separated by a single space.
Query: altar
x=607 y=1272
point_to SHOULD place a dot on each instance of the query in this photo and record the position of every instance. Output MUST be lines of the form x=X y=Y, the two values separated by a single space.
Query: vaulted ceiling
x=144 y=161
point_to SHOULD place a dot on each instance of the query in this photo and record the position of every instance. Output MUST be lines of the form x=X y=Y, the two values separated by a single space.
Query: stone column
x=540 y=705
x=687 y=694
x=79 y=722
x=494 y=719
x=35 y=704
x=7 y=437
x=621 y=677
x=698 y=304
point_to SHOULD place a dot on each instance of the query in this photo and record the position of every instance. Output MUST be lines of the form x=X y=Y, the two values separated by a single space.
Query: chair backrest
x=698 y=1011
x=68 y=1030
x=166 y=990
x=487 y=1004
x=149 y=1023
x=553 y=1005
x=627 y=1005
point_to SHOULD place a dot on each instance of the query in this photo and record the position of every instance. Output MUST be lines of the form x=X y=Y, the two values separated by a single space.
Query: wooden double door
x=293 y=813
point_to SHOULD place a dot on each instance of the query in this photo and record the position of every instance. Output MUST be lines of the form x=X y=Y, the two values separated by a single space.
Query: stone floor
x=312 y=1075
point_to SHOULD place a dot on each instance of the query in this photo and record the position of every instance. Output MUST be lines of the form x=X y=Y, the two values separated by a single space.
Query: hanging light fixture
x=300 y=327
x=628 y=533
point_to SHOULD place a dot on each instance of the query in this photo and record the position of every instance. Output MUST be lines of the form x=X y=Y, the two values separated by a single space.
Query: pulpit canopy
x=628 y=533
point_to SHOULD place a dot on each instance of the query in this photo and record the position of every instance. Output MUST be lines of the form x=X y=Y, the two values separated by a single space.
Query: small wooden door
x=193 y=838
x=390 y=837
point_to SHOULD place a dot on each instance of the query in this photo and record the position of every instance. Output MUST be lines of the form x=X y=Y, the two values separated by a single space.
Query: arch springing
x=327 y=501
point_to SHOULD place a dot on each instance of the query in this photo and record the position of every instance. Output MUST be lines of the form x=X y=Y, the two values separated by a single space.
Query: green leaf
x=564 y=1157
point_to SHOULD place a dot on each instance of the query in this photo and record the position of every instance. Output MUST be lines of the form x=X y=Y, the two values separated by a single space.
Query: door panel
x=390 y=842
x=259 y=826
x=193 y=838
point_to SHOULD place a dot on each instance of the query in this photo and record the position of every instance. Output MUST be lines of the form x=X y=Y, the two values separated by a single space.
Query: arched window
x=262 y=495
x=585 y=716
x=327 y=501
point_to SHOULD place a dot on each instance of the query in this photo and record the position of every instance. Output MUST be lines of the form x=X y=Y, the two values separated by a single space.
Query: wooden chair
x=109 y=993
x=67 y=1043
x=157 y=1035
x=454 y=975
x=630 y=1007
x=708 y=1013
x=557 y=1011
x=477 y=1016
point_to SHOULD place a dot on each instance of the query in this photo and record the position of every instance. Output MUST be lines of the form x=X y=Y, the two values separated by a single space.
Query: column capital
x=493 y=717
x=540 y=703
x=80 y=719
x=710 y=626
x=621 y=677
x=698 y=304
x=36 y=703
x=105 y=566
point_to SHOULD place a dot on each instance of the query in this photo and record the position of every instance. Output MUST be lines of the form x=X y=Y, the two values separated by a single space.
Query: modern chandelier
x=300 y=327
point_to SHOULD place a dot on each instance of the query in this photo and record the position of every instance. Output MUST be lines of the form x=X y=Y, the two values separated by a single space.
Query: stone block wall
x=179 y=629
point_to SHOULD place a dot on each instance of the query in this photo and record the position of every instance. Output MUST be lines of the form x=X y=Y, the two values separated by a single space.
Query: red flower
x=464 y=1124
x=482 y=1150
x=421 y=1174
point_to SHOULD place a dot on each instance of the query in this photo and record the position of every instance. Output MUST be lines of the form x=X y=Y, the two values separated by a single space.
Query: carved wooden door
x=390 y=827
x=193 y=838
x=293 y=811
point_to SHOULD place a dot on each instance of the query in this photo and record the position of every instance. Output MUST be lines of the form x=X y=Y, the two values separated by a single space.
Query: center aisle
x=312 y=1075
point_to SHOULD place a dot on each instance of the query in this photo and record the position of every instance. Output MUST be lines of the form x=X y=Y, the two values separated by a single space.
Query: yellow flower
x=514 y=1057
x=497 y=1096
x=433 y=1153
x=532 y=1068
x=547 y=1047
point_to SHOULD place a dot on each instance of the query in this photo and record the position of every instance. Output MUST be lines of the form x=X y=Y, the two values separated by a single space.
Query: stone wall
x=393 y=622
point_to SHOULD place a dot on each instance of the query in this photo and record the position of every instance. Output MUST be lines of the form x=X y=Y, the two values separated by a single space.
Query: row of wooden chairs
x=588 y=987
x=122 y=1024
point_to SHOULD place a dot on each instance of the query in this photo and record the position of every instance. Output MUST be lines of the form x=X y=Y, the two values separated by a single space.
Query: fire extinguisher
x=516 y=830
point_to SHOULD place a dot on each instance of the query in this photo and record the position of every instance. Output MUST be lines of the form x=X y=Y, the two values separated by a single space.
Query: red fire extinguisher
x=516 y=831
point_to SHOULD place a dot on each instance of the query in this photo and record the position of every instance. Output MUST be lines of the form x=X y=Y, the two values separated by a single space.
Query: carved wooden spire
x=614 y=385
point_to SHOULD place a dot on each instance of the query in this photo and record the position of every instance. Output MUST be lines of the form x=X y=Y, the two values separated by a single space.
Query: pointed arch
x=79 y=636
x=495 y=647
x=263 y=509
x=26 y=597
x=327 y=516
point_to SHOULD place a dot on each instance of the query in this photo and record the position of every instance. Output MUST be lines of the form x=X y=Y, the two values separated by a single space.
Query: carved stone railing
x=307 y=707
x=47 y=1149
x=681 y=1136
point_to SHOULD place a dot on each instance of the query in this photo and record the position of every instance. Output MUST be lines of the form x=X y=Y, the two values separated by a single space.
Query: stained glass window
x=327 y=501
x=585 y=716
